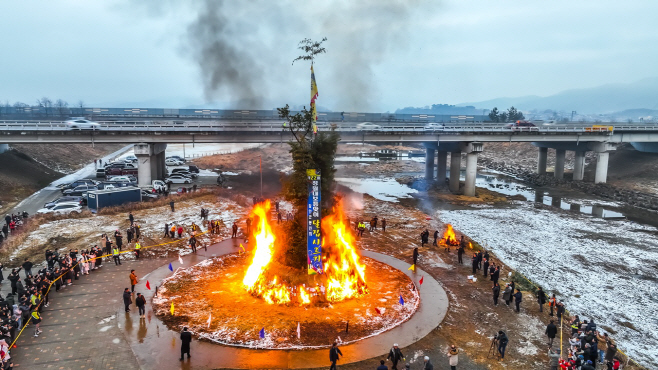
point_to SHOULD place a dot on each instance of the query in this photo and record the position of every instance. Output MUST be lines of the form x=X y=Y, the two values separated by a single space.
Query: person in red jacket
x=180 y=231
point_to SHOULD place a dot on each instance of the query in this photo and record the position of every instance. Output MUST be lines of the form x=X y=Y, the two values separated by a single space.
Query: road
x=36 y=201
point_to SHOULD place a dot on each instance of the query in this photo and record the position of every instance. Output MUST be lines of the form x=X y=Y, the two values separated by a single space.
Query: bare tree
x=62 y=107
x=81 y=107
x=46 y=104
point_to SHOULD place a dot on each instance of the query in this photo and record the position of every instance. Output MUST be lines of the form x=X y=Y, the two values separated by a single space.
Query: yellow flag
x=314 y=96
x=172 y=308
x=412 y=268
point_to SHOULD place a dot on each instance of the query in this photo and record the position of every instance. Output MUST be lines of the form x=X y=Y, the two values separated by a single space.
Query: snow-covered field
x=605 y=270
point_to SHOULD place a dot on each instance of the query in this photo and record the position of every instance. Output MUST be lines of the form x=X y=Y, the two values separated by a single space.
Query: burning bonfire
x=344 y=274
x=449 y=238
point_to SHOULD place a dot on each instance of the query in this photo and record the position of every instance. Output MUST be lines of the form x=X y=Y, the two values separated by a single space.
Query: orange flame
x=449 y=237
x=344 y=274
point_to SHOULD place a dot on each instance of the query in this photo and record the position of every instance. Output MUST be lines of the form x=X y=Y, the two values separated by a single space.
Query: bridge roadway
x=151 y=138
x=32 y=132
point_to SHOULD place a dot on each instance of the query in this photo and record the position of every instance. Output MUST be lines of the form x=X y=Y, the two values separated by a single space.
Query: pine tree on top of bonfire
x=309 y=151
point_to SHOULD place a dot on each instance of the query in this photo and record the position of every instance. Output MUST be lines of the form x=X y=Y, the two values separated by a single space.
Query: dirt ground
x=27 y=168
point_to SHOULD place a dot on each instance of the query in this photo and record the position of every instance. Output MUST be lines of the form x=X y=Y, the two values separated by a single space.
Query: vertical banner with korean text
x=314 y=249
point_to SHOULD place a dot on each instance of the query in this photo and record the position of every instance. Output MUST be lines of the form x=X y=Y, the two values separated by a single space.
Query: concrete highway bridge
x=453 y=139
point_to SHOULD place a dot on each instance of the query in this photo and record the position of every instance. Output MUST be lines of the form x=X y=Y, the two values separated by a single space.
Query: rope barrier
x=25 y=325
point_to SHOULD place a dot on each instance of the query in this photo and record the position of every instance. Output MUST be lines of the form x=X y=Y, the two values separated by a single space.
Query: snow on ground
x=604 y=270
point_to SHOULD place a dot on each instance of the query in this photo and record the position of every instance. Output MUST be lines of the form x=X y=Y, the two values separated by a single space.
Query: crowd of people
x=13 y=223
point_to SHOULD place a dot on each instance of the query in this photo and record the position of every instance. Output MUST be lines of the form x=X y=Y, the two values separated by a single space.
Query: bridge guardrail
x=144 y=126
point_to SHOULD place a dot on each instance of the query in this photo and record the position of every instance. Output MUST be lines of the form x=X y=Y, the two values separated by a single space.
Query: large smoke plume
x=244 y=48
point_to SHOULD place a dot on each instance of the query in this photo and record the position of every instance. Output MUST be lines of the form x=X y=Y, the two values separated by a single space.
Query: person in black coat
x=334 y=353
x=127 y=299
x=460 y=253
x=186 y=339
x=541 y=299
x=395 y=355
x=517 y=299
x=496 y=293
x=551 y=331
x=474 y=261
x=415 y=255
x=495 y=275
x=485 y=269
x=14 y=278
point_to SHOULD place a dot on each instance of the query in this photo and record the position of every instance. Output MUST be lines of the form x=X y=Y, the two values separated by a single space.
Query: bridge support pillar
x=601 y=175
x=161 y=168
x=455 y=169
x=472 y=150
x=441 y=167
x=542 y=159
x=579 y=166
x=559 y=163
x=4 y=148
x=147 y=162
x=471 y=173
x=429 y=164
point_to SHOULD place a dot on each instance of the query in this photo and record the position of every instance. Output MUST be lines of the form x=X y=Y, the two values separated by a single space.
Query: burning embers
x=344 y=274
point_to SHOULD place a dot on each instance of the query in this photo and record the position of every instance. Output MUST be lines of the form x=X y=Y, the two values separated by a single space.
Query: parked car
x=177 y=157
x=130 y=159
x=173 y=162
x=77 y=183
x=100 y=173
x=147 y=195
x=193 y=169
x=62 y=208
x=368 y=126
x=121 y=179
x=79 y=190
x=82 y=124
x=434 y=126
x=159 y=185
x=63 y=200
x=177 y=179
x=183 y=171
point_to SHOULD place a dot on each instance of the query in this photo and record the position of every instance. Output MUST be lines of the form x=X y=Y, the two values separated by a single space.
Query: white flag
x=299 y=332
x=180 y=259
x=209 y=318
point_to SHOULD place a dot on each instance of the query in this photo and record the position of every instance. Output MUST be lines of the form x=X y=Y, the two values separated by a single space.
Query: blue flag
x=261 y=333
x=401 y=300
x=170 y=267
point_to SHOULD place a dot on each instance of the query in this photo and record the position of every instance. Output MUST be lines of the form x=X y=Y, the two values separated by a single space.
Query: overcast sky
x=381 y=55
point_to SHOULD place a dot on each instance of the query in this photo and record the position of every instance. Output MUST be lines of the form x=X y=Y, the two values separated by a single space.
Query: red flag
x=378 y=311
x=420 y=282
x=148 y=286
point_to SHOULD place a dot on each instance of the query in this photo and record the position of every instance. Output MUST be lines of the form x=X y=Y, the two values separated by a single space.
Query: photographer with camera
x=502 y=343
x=554 y=358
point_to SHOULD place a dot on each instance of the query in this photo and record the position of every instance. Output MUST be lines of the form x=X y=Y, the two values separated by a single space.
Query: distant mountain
x=440 y=109
x=602 y=99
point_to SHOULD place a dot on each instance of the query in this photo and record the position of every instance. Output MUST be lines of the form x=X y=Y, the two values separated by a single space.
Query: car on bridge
x=62 y=208
x=178 y=179
x=368 y=126
x=82 y=124
x=522 y=125
x=434 y=126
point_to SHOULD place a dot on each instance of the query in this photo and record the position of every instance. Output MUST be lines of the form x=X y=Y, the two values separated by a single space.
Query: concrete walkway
x=85 y=326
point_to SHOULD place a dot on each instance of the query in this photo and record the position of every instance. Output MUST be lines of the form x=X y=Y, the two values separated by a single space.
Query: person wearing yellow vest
x=115 y=255
x=138 y=246
x=36 y=319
